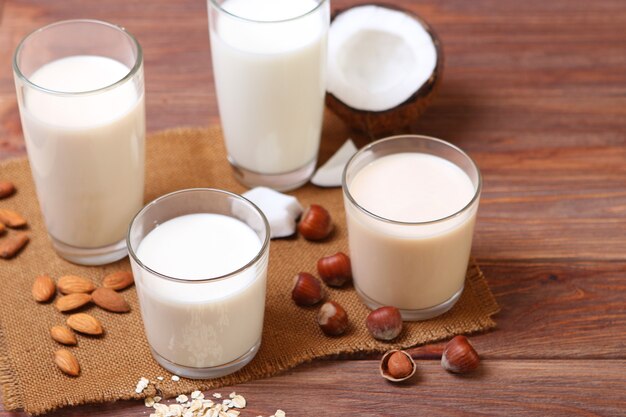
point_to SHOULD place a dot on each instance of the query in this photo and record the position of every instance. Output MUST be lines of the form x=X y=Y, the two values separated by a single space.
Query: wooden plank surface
x=352 y=388
x=535 y=91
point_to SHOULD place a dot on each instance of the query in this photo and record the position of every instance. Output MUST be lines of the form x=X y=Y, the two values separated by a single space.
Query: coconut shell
x=397 y=119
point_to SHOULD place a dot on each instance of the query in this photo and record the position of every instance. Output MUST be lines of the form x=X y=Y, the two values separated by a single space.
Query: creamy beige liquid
x=202 y=324
x=86 y=152
x=270 y=82
x=410 y=266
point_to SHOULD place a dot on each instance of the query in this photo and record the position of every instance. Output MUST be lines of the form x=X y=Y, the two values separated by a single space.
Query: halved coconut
x=384 y=66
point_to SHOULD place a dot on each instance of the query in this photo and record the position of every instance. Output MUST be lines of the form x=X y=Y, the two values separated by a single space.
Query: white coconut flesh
x=378 y=57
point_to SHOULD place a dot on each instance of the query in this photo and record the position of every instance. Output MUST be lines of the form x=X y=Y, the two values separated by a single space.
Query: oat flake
x=142 y=385
x=197 y=395
x=238 y=401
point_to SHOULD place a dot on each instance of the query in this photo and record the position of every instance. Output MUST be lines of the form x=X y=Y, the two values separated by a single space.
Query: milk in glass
x=190 y=321
x=270 y=82
x=86 y=150
x=401 y=254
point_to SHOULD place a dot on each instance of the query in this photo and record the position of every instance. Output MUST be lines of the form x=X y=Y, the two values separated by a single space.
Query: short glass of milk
x=269 y=63
x=411 y=204
x=199 y=258
x=80 y=91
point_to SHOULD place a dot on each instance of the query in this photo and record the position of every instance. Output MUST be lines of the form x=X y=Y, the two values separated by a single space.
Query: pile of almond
x=11 y=241
x=77 y=292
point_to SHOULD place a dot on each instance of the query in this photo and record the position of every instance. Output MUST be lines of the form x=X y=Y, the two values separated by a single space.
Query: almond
x=63 y=335
x=3 y=228
x=84 y=323
x=70 y=284
x=67 y=362
x=43 y=289
x=118 y=280
x=12 y=244
x=6 y=189
x=11 y=218
x=108 y=299
x=72 y=301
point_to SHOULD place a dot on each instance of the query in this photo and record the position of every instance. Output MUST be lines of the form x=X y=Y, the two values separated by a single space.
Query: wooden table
x=535 y=91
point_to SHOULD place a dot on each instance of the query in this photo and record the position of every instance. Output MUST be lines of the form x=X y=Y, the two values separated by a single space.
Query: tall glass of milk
x=80 y=91
x=269 y=63
x=411 y=204
x=199 y=258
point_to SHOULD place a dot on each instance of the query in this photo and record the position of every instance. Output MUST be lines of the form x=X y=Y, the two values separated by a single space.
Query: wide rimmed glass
x=418 y=267
x=201 y=328
x=80 y=90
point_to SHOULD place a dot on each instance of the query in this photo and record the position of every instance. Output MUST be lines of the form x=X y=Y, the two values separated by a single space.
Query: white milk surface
x=201 y=324
x=86 y=151
x=410 y=266
x=270 y=82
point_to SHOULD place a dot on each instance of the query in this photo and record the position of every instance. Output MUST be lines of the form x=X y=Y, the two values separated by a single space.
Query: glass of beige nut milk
x=80 y=91
x=269 y=63
x=199 y=259
x=411 y=204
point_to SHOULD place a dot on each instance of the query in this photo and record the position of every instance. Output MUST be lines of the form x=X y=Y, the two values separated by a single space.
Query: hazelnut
x=332 y=318
x=397 y=366
x=459 y=356
x=315 y=223
x=384 y=323
x=335 y=270
x=307 y=290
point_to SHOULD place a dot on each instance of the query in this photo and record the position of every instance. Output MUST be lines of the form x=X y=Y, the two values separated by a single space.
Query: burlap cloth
x=112 y=365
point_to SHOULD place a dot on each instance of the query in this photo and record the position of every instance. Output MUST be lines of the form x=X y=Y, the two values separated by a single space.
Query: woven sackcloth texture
x=112 y=364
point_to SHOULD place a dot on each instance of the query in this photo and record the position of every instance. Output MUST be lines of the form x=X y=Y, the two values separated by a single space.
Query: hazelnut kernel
x=397 y=366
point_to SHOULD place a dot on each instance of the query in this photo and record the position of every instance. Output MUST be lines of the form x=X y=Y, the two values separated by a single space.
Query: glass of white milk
x=411 y=204
x=269 y=63
x=199 y=258
x=80 y=91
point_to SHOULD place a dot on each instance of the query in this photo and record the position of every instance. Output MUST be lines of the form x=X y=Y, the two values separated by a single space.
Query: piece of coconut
x=329 y=174
x=383 y=67
x=281 y=210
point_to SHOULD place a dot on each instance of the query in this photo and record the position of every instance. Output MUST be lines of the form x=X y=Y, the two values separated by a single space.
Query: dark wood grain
x=535 y=91
x=557 y=310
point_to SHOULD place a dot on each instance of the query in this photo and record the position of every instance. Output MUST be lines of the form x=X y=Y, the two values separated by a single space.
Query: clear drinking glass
x=205 y=327
x=80 y=91
x=418 y=267
x=269 y=63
